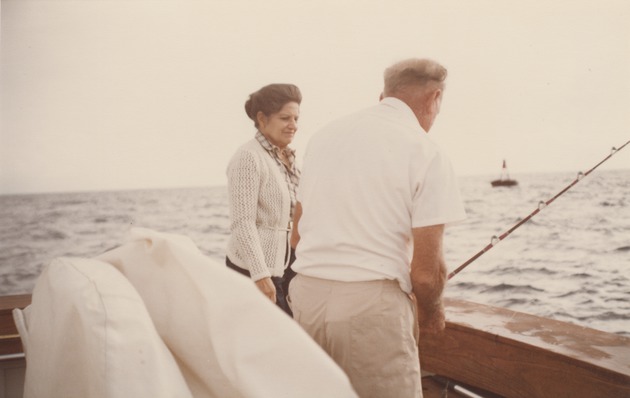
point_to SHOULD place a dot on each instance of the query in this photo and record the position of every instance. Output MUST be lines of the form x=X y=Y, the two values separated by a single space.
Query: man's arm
x=428 y=276
x=295 y=235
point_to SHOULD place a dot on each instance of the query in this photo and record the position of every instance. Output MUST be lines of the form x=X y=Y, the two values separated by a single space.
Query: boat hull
x=504 y=183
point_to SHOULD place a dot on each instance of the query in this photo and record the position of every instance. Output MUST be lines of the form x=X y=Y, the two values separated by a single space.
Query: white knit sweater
x=259 y=212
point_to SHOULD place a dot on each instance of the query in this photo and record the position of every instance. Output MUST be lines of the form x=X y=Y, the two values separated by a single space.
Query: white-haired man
x=374 y=197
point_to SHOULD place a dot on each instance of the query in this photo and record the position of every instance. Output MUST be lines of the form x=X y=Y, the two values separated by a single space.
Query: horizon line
x=211 y=186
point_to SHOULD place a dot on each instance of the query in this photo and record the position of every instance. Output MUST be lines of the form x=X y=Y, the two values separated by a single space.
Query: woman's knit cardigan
x=259 y=212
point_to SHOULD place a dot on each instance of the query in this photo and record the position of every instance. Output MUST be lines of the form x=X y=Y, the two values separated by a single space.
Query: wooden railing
x=524 y=356
x=10 y=342
x=12 y=361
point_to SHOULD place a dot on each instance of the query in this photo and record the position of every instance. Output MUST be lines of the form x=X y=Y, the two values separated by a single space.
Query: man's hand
x=433 y=322
x=267 y=287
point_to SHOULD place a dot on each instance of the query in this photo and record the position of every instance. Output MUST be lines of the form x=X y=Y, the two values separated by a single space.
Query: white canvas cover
x=87 y=334
x=228 y=338
x=157 y=318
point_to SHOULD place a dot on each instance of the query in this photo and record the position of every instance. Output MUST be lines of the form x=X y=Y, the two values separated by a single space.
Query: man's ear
x=437 y=99
x=437 y=95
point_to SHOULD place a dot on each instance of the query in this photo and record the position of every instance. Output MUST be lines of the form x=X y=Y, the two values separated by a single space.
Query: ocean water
x=570 y=262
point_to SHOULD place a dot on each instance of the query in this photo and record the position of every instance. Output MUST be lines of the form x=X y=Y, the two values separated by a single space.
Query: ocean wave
x=625 y=299
x=607 y=316
x=7 y=281
x=561 y=315
x=581 y=275
x=48 y=235
x=581 y=291
x=620 y=203
x=535 y=270
x=512 y=288
x=67 y=203
x=50 y=215
x=512 y=302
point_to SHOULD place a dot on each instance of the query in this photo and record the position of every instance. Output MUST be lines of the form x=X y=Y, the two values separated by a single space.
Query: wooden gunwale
x=520 y=355
x=10 y=343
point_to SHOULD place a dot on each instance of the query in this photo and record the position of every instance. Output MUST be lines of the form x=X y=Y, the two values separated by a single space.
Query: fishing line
x=541 y=205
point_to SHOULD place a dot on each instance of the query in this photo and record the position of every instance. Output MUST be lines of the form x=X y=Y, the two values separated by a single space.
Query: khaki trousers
x=367 y=328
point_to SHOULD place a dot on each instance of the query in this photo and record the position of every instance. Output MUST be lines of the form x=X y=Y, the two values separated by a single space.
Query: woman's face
x=279 y=128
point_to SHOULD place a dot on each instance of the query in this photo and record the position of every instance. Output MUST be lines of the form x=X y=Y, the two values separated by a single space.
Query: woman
x=262 y=183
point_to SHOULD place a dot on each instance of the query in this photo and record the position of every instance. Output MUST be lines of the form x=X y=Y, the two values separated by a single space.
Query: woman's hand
x=267 y=287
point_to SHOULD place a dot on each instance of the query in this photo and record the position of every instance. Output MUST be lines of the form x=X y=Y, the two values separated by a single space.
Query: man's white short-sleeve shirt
x=367 y=180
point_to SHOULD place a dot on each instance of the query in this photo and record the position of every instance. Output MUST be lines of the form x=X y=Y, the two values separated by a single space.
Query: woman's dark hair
x=270 y=99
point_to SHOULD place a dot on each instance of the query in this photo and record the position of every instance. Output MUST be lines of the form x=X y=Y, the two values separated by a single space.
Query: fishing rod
x=541 y=205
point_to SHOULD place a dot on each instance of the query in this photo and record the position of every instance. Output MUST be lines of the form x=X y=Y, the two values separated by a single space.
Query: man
x=373 y=200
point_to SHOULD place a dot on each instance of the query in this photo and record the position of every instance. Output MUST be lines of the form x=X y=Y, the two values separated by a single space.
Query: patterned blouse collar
x=274 y=150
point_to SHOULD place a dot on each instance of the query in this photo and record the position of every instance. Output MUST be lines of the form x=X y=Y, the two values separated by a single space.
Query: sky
x=115 y=94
